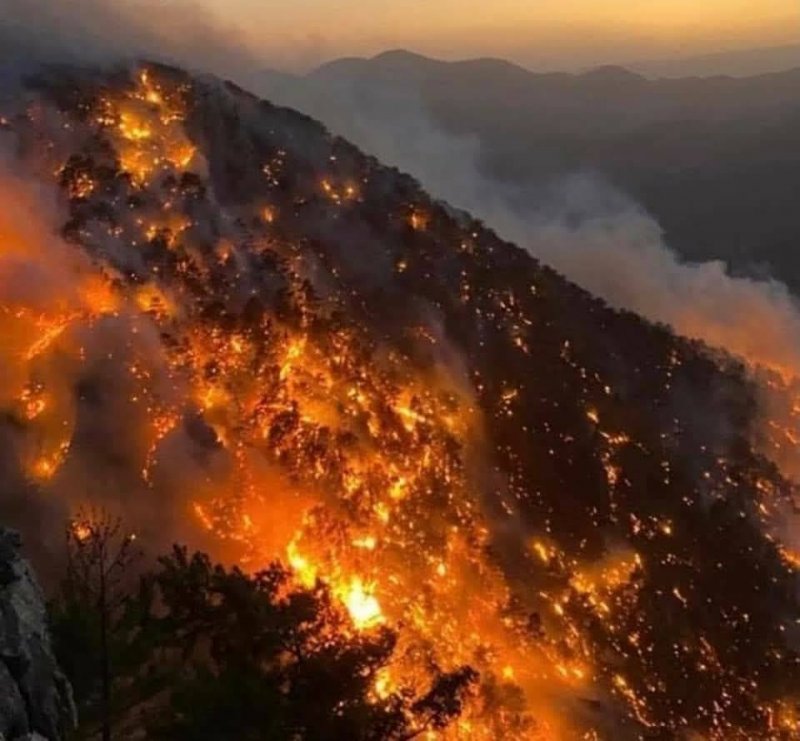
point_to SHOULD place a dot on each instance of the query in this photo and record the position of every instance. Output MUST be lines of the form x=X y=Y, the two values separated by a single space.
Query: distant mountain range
x=741 y=63
x=715 y=160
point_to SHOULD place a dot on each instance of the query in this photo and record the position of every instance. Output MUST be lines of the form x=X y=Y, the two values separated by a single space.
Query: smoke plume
x=178 y=362
x=580 y=225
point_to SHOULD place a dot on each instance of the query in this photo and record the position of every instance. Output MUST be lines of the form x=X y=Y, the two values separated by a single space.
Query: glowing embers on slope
x=362 y=604
x=392 y=527
x=338 y=192
x=42 y=398
x=49 y=296
x=354 y=462
x=784 y=718
x=343 y=458
x=418 y=220
x=146 y=127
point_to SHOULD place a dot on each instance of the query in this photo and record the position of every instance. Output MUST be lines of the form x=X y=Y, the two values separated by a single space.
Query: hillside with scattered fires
x=252 y=336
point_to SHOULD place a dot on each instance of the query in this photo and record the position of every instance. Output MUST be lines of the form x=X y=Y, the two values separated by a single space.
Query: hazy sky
x=532 y=32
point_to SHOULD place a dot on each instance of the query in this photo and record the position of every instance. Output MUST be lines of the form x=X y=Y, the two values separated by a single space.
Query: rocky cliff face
x=35 y=697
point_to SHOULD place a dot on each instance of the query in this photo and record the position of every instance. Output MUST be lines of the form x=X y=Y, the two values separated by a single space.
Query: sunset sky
x=532 y=32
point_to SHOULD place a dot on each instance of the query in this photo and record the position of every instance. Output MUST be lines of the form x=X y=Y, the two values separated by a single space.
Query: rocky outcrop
x=35 y=697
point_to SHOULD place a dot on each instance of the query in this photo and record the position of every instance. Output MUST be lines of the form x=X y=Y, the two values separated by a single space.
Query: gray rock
x=35 y=697
x=13 y=713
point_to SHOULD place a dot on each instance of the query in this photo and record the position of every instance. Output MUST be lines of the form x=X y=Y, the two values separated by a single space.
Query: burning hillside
x=252 y=336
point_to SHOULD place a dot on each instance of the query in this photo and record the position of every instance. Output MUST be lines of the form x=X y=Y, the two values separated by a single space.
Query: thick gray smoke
x=593 y=234
x=580 y=225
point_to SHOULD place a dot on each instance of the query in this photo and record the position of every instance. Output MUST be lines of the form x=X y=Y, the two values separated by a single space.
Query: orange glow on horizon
x=455 y=29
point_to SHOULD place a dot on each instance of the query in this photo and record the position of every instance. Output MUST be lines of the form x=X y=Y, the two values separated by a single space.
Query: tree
x=90 y=606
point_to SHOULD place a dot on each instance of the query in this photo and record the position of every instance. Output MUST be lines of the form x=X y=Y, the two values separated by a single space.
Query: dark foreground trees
x=198 y=651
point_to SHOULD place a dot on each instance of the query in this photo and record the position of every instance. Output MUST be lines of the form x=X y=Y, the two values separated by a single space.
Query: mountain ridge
x=406 y=58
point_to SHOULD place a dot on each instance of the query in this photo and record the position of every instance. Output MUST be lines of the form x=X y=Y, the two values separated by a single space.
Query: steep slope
x=255 y=337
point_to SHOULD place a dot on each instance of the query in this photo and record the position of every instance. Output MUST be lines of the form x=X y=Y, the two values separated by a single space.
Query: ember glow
x=382 y=456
